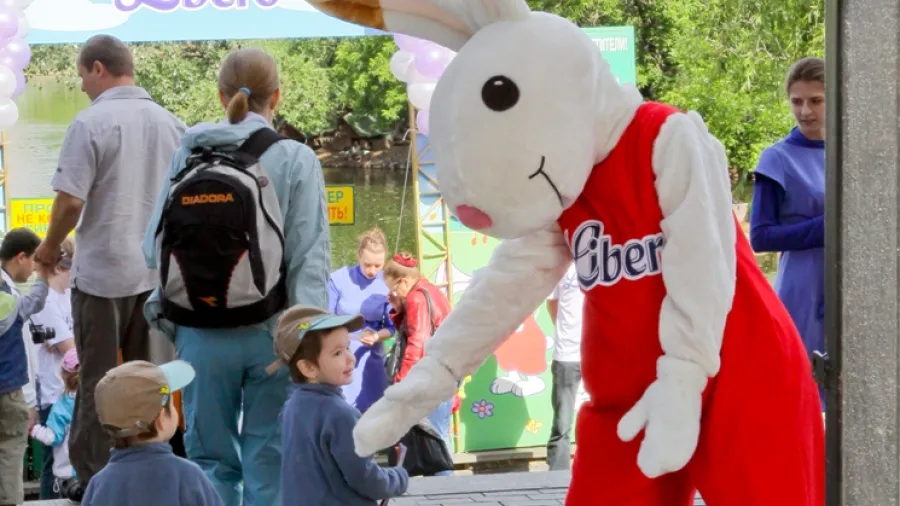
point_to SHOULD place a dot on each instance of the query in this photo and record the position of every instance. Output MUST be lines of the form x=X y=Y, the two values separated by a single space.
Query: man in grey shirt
x=113 y=161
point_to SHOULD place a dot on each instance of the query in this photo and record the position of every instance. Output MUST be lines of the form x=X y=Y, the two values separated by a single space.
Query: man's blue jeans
x=231 y=365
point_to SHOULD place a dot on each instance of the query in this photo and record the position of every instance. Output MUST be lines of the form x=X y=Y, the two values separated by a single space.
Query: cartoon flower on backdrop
x=15 y=55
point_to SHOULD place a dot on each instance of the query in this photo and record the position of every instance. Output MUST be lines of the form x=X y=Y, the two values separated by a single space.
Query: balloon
x=431 y=60
x=420 y=94
x=9 y=113
x=9 y=23
x=20 y=84
x=415 y=77
x=16 y=5
x=407 y=43
x=422 y=118
x=7 y=82
x=24 y=27
x=401 y=65
x=16 y=54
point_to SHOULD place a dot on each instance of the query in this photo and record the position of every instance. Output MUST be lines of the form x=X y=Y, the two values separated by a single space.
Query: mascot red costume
x=696 y=375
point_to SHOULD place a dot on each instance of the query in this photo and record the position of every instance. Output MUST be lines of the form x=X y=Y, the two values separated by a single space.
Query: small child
x=319 y=466
x=134 y=404
x=56 y=432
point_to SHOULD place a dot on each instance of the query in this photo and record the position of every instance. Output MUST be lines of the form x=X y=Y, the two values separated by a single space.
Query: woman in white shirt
x=55 y=319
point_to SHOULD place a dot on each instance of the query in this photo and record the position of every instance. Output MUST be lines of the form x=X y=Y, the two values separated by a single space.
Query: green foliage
x=366 y=85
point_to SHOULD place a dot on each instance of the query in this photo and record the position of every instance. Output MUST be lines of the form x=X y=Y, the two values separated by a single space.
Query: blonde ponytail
x=238 y=107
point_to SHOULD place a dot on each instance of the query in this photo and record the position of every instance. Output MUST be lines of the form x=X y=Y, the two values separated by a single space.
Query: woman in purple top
x=360 y=289
x=789 y=204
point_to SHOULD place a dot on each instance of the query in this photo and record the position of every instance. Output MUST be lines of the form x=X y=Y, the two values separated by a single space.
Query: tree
x=731 y=58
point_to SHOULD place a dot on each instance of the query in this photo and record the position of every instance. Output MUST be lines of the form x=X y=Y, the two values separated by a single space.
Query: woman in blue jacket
x=788 y=214
x=245 y=466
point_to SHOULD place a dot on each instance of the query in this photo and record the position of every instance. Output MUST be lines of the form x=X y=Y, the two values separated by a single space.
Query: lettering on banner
x=600 y=262
x=190 y=5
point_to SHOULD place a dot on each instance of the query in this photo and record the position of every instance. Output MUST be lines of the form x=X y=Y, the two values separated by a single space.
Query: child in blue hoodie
x=244 y=463
x=320 y=466
x=134 y=405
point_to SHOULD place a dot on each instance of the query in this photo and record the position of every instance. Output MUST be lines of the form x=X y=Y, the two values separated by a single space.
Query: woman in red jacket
x=419 y=308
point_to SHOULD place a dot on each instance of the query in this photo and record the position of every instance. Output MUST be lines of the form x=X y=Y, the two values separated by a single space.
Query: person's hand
x=368 y=337
x=32 y=419
x=47 y=255
x=669 y=415
x=43 y=271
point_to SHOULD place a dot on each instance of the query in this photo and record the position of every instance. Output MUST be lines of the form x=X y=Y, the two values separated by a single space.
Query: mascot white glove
x=669 y=414
x=427 y=384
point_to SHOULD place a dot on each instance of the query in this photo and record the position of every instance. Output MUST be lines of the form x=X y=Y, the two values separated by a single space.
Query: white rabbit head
x=519 y=117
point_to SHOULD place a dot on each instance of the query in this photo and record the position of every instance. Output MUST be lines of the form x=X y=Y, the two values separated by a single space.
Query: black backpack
x=220 y=240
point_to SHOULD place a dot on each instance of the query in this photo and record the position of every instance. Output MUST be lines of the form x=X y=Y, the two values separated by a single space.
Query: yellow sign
x=341 y=205
x=35 y=213
x=30 y=213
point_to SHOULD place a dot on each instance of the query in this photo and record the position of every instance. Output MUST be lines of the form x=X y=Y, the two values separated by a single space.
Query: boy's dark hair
x=309 y=350
x=18 y=240
x=120 y=443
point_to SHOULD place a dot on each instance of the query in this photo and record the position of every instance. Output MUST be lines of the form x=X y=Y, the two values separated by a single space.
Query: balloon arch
x=15 y=55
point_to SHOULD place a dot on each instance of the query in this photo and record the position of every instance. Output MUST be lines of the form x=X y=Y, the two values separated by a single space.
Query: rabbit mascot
x=696 y=375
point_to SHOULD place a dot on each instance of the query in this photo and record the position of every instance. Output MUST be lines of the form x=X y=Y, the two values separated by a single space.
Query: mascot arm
x=500 y=297
x=699 y=258
x=698 y=269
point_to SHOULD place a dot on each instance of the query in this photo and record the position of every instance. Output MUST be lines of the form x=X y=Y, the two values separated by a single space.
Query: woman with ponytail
x=244 y=464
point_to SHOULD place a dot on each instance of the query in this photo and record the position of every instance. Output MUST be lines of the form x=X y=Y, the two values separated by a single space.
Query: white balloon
x=402 y=65
x=7 y=82
x=24 y=27
x=420 y=94
x=9 y=113
x=23 y=4
x=416 y=77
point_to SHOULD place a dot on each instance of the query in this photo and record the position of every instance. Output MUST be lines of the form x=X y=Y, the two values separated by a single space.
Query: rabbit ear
x=449 y=23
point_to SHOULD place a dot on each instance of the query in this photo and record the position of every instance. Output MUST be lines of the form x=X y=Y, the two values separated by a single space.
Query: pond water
x=47 y=108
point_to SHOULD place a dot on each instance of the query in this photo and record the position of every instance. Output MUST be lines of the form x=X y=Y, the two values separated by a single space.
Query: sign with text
x=30 y=213
x=341 y=205
x=616 y=44
x=74 y=21
x=34 y=213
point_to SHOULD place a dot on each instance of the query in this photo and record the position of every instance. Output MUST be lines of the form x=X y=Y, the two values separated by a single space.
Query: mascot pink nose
x=473 y=217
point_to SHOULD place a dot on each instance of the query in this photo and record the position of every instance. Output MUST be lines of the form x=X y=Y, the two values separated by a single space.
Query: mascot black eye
x=500 y=93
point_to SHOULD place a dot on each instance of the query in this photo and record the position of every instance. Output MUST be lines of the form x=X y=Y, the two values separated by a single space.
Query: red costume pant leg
x=605 y=471
x=762 y=441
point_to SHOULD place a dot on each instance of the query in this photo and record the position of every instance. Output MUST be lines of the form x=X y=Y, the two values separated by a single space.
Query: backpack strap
x=260 y=141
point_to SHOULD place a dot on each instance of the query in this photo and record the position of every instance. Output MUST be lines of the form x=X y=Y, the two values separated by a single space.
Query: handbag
x=394 y=358
x=426 y=452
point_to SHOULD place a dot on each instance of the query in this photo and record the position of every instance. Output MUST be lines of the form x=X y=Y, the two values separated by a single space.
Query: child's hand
x=43 y=272
x=368 y=337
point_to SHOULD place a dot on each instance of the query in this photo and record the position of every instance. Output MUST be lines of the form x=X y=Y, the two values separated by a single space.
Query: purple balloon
x=432 y=60
x=20 y=84
x=15 y=54
x=406 y=43
x=422 y=118
x=9 y=23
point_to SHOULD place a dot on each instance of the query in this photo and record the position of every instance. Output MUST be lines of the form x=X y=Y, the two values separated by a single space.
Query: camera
x=71 y=488
x=40 y=334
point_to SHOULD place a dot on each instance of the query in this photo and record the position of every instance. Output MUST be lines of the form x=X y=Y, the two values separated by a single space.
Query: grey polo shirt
x=115 y=156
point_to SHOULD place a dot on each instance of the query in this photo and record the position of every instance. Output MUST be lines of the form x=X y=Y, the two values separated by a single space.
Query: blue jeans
x=231 y=366
x=47 y=478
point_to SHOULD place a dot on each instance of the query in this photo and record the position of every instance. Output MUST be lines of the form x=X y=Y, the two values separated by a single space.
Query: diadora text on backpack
x=220 y=241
